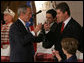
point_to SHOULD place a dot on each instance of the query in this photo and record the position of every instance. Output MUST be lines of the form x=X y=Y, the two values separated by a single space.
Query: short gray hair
x=22 y=9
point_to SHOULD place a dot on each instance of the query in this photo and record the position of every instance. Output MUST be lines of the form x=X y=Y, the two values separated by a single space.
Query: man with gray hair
x=21 y=38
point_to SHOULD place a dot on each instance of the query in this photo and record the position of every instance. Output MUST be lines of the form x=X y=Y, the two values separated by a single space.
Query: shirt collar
x=51 y=24
x=22 y=21
x=66 y=21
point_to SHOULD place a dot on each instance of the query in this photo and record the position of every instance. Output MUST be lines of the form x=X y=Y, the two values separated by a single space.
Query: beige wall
x=76 y=8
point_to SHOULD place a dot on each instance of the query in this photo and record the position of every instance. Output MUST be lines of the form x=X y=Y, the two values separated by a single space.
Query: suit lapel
x=21 y=26
x=53 y=26
x=68 y=25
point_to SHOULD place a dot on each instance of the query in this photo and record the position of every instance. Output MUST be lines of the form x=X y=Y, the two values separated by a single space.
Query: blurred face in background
x=7 y=18
x=49 y=18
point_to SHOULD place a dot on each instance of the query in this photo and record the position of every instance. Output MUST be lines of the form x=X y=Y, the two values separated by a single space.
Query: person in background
x=69 y=47
x=46 y=36
x=49 y=27
x=5 y=45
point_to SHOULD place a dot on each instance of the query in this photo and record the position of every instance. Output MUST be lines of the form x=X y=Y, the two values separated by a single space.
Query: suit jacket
x=72 y=29
x=21 y=43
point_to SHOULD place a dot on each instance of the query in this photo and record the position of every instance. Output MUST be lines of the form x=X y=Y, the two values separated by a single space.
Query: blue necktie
x=27 y=26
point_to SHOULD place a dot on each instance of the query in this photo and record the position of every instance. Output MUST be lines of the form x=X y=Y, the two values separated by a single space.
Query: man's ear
x=21 y=14
x=66 y=12
x=55 y=19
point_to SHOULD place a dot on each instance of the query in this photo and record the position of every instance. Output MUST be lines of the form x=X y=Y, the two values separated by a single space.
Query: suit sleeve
x=17 y=37
x=47 y=39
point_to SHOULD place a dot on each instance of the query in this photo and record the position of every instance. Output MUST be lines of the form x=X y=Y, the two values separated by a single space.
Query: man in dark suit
x=21 y=39
x=67 y=27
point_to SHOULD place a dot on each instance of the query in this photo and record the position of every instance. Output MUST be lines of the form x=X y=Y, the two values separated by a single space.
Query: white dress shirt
x=25 y=26
x=66 y=21
x=50 y=26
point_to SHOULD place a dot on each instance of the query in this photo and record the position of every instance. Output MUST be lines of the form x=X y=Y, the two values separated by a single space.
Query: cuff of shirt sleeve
x=33 y=33
x=46 y=32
